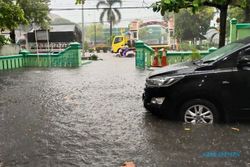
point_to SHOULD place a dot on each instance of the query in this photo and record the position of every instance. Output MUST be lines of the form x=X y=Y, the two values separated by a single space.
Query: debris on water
x=236 y=129
x=187 y=129
x=128 y=164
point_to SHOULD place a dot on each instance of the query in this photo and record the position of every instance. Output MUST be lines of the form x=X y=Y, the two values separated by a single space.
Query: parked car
x=214 y=88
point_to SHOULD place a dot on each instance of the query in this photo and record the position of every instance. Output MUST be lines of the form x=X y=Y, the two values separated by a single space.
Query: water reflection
x=93 y=116
x=183 y=144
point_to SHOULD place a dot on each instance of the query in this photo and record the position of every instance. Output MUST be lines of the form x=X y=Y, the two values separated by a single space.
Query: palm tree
x=113 y=14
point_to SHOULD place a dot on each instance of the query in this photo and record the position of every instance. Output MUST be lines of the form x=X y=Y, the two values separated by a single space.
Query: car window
x=118 y=40
x=230 y=48
x=229 y=61
x=244 y=52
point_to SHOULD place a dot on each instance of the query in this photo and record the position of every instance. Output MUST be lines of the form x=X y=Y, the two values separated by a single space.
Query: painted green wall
x=70 y=57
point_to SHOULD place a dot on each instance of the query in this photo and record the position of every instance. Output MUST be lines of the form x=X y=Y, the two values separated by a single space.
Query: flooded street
x=94 y=116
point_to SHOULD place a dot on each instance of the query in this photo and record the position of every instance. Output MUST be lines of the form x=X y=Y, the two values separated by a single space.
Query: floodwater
x=93 y=116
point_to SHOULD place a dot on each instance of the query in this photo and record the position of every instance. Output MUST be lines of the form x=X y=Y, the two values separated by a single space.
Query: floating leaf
x=128 y=164
x=236 y=129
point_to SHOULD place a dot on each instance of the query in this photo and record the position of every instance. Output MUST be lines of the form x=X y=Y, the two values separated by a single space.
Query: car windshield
x=222 y=52
x=118 y=40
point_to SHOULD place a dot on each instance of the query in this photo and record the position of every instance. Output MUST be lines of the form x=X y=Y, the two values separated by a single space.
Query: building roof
x=62 y=28
x=58 y=33
x=59 y=28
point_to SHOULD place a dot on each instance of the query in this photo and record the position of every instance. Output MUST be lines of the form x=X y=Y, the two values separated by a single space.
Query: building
x=57 y=38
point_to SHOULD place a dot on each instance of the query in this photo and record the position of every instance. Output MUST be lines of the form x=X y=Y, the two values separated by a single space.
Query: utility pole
x=110 y=26
x=83 y=33
x=95 y=35
x=37 y=52
x=174 y=32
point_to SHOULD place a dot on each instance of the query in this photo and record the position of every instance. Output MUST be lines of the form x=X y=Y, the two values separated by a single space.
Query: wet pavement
x=93 y=116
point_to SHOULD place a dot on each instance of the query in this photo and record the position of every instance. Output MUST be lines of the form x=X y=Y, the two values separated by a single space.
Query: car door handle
x=225 y=82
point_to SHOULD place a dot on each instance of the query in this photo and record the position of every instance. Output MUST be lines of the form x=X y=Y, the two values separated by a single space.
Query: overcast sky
x=93 y=15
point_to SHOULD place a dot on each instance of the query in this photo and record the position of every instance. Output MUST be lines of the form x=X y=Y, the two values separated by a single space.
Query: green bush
x=195 y=55
x=86 y=45
x=98 y=49
x=186 y=46
x=93 y=57
x=3 y=40
x=91 y=50
x=106 y=49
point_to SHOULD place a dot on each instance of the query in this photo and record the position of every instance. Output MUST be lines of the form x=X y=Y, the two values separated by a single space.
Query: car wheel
x=199 y=111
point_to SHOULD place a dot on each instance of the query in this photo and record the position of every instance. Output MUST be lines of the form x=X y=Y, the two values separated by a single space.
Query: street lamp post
x=37 y=52
x=83 y=51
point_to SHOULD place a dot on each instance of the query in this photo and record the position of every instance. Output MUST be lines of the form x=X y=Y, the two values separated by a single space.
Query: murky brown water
x=93 y=116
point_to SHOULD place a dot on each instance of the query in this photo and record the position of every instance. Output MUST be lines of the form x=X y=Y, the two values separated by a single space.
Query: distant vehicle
x=209 y=90
x=118 y=43
x=121 y=42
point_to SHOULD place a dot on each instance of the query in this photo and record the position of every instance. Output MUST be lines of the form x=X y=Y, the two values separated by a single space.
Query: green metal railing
x=145 y=55
x=11 y=62
x=70 y=57
x=238 y=30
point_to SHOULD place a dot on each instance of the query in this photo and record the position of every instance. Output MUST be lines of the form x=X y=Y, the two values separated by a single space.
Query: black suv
x=215 y=88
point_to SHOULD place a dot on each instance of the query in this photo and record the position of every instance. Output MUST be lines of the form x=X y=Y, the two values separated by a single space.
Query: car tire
x=199 y=111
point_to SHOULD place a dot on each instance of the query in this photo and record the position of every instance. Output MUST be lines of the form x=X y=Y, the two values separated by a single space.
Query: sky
x=91 y=16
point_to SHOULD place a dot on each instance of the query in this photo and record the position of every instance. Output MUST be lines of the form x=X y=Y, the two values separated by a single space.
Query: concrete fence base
x=70 y=57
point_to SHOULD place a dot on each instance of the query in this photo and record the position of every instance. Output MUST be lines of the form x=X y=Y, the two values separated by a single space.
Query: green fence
x=70 y=57
x=238 y=30
x=145 y=55
x=11 y=62
x=174 y=57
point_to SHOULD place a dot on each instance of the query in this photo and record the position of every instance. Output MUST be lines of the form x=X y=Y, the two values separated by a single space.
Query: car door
x=241 y=79
x=223 y=82
x=241 y=87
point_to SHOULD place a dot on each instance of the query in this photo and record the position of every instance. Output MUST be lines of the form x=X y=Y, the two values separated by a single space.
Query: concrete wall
x=70 y=57
x=8 y=50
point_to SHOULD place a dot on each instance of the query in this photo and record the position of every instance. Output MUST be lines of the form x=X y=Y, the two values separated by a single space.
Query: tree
x=34 y=12
x=10 y=15
x=188 y=30
x=113 y=14
x=247 y=11
x=94 y=32
x=144 y=32
x=237 y=13
x=222 y=5
x=80 y=2
x=241 y=14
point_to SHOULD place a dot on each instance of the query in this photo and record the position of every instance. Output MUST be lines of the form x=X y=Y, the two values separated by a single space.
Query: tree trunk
x=95 y=34
x=110 y=31
x=13 y=36
x=223 y=23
